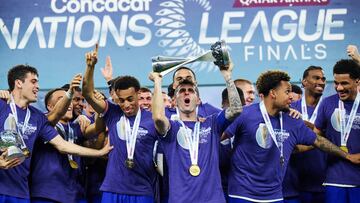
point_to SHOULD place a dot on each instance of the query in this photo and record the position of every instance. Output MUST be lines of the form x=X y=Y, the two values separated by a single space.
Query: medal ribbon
x=304 y=112
x=68 y=136
x=130 y=135
x=271 y=130
x=345 y=129
x=193 y=140
x=26 y=121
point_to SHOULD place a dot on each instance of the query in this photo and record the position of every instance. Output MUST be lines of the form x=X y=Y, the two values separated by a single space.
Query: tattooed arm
x=325 y=145
x=235 y=107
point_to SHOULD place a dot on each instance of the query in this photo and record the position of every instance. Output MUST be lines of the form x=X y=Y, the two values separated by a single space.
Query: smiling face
x=78 y=103
x=345 y=86
x=29 y=88
x=314 y=82
x=186 y=98
x=128 y=101
x=145 y=100
x=55 y=98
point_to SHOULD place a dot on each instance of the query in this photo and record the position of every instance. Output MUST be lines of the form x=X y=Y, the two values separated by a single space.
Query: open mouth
x=187 y=101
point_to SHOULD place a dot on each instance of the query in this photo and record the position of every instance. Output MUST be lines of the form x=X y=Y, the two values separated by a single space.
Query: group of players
x=153 y=147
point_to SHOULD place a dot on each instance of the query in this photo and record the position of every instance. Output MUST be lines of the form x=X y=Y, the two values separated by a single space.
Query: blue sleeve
x=221 y=122
x=321 y=117
x=3 y=104
x=47 y=131
x=231 y=131
x=112 y=111
x=172 y=132
x=304 y=135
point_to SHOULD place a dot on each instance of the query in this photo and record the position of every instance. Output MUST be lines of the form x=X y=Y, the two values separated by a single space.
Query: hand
x=106 y=149
x=91 y=57
x=84 y=122
x=294 y=113
x=7 y=164
x=5 y=94
x=153 y=76
x=352 y=51
x=354 y=158
x=98 y=95
x=227 y=70
x=309 y=125
x=75 y=82
x=107 y=71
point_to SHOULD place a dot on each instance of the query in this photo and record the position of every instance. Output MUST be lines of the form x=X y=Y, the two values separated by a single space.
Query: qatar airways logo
x=277 y=3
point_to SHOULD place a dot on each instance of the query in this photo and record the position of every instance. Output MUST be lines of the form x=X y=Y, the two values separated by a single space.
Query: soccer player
x=248 y=89
x=264 y=139
x=130 y=174
x=191 y=144
x=31 y=124
x=339 y=120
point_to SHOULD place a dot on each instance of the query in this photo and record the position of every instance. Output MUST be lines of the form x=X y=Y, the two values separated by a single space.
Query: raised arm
x=162 y=123
x=235 y=107
x=61 y=107
x=353 y=52
x=88 y=82
x=107 y=71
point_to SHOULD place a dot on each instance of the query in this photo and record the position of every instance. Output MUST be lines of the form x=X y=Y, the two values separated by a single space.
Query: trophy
x=218 y=54
x=13 y=142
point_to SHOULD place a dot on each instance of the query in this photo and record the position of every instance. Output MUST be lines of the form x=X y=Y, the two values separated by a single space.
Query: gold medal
x=73 y=164
x=26 y=153
x=345 y=149
x=130 y=163
x=194 y=170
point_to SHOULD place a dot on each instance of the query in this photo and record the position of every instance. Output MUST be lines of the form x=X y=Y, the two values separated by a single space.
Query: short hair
x=225 y=96
x=347 y=66
x=186 y=68
x=49 y=95
x=187 y=82
x=144 y=89
x=126 y=82
x=171 y=91
x=270 y=80
x=296 y=89
x=19 y=72
x=310 y=68
x=66 y=87
x=241 y=80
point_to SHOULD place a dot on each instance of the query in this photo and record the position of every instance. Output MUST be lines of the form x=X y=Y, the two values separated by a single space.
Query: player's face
x=78 y=103
x=145 y=100
x=128 y=101
x=345 y=86
x=30 y=87
x=282 y=96
x=315 y=82
x=187 y=98
x=182 y=74
x=249 y=93
x=56 y=97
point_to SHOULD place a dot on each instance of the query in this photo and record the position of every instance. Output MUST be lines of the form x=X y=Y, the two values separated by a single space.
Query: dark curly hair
x=270 y=80
x=347 y=66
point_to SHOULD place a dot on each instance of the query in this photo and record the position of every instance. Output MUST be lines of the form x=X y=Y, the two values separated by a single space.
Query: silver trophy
x=218 y=54
x=11 y=141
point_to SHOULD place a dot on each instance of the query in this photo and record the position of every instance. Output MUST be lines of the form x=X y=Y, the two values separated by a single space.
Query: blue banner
x=289 y=35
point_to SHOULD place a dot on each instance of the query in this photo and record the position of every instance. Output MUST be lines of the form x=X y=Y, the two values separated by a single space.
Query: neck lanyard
x=304 y=112
x=345 y=129
x=193 y=140
x=21 y=130
x=269 y=127
x=130 y=135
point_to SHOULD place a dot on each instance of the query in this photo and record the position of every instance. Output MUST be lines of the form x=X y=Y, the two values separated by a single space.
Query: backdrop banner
x=290 y=35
